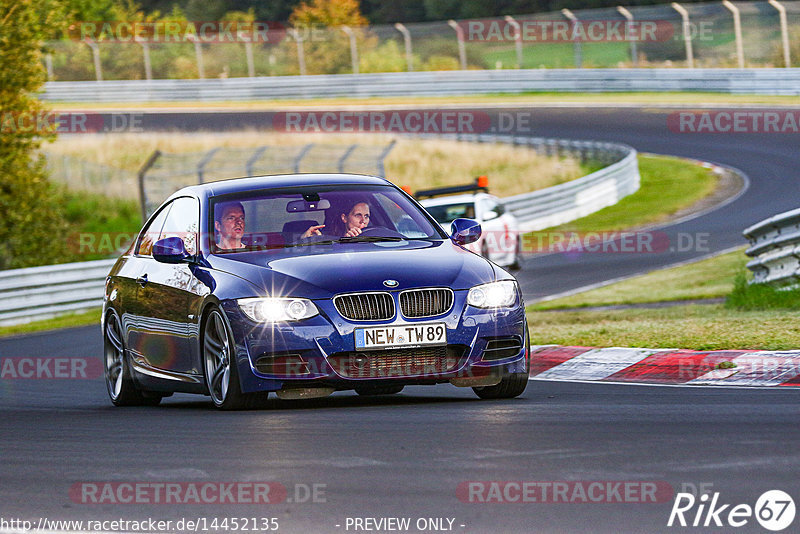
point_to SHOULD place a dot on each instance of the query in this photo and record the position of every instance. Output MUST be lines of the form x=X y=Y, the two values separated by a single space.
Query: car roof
x=454 y=199
x=240 y=185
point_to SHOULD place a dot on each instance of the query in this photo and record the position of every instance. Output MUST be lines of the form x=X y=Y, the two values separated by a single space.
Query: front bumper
x=320 y=351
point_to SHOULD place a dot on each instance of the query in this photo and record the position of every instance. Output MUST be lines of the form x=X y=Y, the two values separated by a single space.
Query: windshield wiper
x=309 y=243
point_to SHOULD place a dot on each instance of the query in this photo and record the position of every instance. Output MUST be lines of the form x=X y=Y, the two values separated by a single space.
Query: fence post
x=629 y=26
x=517 y=38
x=737 y=31
x=784 y=32
x=353 y=47
x=340 y=163
x=142 y=173
x=407 y=41
x=98 y=71
x=248 y=168
x=462 y=50
x=198 y=54
x=301 y=56
x=201 y=166
x=569 y=15
x=382 y=157
x=687 y=33
x=48 y=62
x=251 y=64
x=301 y=155
x=148 y=68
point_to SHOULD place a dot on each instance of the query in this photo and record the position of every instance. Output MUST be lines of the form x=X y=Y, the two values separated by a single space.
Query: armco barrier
x=39 y=292
x=775 y=249
x=768 y=81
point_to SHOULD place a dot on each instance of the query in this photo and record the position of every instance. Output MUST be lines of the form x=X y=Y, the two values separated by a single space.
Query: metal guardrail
x=767 y=81
x=41 y=292
x=775 y=249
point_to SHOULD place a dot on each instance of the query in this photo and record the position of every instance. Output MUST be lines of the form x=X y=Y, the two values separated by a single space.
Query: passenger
x=229 y=223
x=353 y=221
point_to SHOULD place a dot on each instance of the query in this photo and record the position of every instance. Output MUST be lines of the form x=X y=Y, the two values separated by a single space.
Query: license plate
x=404 y=336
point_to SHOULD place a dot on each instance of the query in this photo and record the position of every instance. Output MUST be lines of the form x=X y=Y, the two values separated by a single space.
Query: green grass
x=668 y=185
x=711 y=278
x=747 y=296
x=64 y=321
x=710 y=327
x=561 y=55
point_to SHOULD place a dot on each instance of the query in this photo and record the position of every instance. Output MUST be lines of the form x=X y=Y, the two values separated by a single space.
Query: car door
x=168 y=296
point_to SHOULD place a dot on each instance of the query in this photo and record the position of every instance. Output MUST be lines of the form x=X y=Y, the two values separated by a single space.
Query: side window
x=183 y=221
x=148 y=236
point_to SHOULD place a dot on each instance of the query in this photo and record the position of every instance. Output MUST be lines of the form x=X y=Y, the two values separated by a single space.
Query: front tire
x=513 y=384
x=121 y=389
x=219 y=366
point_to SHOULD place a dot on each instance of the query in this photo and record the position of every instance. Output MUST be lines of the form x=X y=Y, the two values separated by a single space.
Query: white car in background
x=500 y=242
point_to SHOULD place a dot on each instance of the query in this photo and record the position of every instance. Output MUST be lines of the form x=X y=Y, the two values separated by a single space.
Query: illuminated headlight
x=276 y=310
x=494 y=295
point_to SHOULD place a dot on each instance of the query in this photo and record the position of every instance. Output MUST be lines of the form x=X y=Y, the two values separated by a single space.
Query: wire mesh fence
x=698 y=35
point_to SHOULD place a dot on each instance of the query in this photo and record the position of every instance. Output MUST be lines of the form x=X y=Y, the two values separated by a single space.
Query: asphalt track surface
x=405 y=455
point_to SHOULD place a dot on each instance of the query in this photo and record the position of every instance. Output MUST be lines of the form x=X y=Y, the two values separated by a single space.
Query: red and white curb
x=666 y=366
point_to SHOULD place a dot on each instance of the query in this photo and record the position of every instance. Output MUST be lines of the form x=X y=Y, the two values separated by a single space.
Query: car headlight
x=276 y=310
x=500 y=294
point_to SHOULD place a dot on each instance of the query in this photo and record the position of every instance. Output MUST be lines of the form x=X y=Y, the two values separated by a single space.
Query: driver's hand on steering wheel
x=353 y=232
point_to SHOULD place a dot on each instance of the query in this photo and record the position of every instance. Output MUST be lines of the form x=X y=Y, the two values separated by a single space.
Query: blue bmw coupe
x=306 y=284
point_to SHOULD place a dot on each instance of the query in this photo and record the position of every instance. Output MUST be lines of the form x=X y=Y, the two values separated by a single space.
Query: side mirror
x=489 y=215
x=170 y=250
x=465 y=231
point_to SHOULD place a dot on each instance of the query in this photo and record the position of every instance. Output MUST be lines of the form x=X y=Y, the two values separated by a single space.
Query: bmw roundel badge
x=391 y=283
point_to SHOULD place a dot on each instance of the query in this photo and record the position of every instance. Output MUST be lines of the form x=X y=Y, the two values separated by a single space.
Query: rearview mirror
x=465 y=231
x=170 y=250
x=299 y=206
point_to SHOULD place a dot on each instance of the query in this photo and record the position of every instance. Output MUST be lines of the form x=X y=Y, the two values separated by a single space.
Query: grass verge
x=711 y=278
x=747 y=296
x=63 y=321
x=643 y=98
x=668 y=185
x=710 y=327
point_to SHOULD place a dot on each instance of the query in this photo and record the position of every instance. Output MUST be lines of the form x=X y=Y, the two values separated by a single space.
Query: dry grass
x=413 y=162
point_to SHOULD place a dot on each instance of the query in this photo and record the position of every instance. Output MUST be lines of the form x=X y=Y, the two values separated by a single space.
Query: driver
x=354 y=221
x=229 y=223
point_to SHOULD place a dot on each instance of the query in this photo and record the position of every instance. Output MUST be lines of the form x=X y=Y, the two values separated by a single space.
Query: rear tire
x=119 y=380
x=378 y=390
x=219 y=366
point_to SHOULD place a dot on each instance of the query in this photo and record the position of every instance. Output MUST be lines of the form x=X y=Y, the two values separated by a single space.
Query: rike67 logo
x=774 y=510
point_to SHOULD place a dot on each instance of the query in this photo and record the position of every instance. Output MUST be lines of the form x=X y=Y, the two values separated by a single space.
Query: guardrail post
x=301 y=55
x=353 y=47
x=629 y=26
x=148 y=69
x=248 y=167
x=687 y=33
x=201 y=166
x=141 y=175
x=569 y=15
x=517 y=38
x=340 y=163
x=301 y=155
x=784 y=32
x=737 y=31
x=407 y=41
x=98 y=70
x=382 y=157
x=462 y=50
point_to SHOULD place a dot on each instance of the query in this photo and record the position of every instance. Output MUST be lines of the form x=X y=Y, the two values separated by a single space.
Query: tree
x=31 y=228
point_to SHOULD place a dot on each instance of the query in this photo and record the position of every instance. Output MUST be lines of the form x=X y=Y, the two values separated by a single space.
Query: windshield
x=447 y=213
x=291 y=217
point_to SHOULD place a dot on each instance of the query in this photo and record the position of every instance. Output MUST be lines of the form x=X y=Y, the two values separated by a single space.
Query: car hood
x=322 y=271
